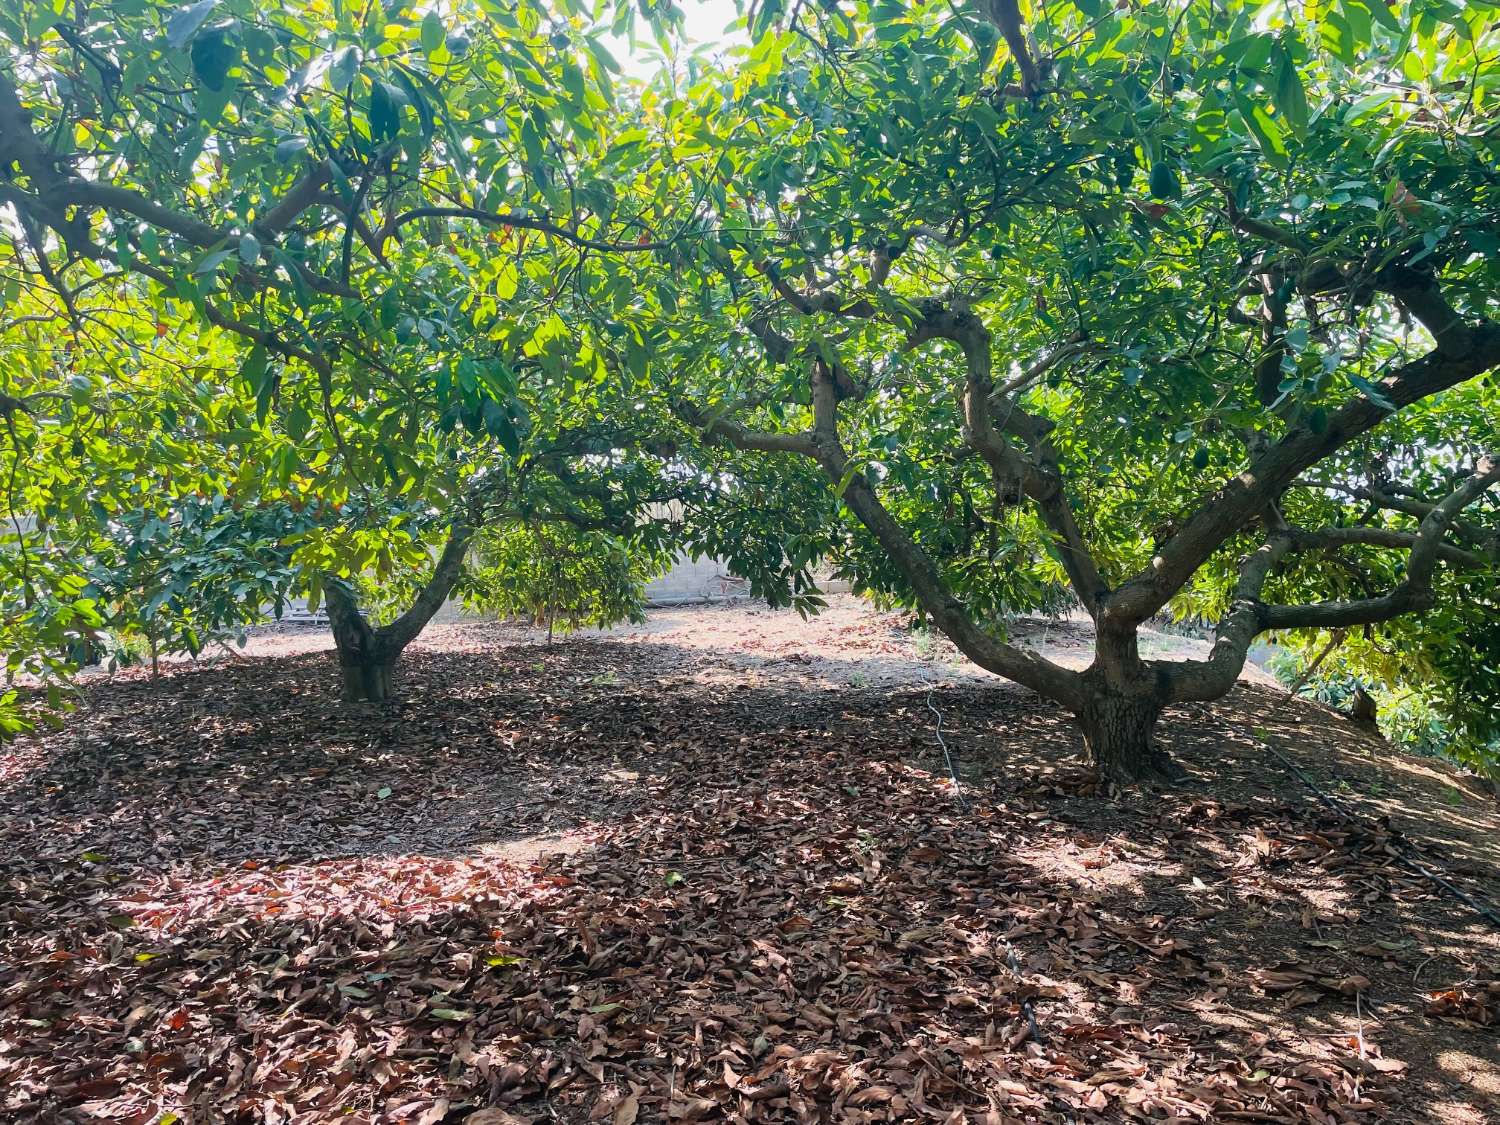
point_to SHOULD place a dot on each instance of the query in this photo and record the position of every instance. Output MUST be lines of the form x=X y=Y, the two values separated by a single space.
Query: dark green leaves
x=213 y=54
x=256 y=373
x=432 y=31
x=386 y=101
x=765 y=17
x=1290 y=96
x=1371 y=391
x=498 y=423
x=289 y=148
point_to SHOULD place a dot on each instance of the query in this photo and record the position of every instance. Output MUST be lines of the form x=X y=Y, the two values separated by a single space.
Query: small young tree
x=195 y=572
x=556 y=575
x=1205 y=288
x=380 y=567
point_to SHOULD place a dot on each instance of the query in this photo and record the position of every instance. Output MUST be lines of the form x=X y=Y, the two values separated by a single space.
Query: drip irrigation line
x=1027 y=1008
x=1405 y=851
x=947 y=754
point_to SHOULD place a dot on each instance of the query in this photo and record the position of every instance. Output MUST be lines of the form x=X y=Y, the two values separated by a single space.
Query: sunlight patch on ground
x=373 y=889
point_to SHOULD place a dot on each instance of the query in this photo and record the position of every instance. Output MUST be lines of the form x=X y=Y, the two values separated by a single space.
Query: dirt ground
x=715 y=868
x=848 y=643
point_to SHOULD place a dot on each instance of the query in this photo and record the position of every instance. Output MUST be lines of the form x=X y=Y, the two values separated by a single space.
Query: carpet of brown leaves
x=588 y=883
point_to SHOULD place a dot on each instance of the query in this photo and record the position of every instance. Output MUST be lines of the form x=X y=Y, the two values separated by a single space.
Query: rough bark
x=1239 y=500
x=367 y=660
x=1119 y=697
x=368 y=654
x=366 y=682
x=1123 y=697
x=1119 y=735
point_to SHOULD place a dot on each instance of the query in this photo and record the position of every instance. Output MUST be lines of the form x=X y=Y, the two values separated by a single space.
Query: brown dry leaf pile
x=225 y=898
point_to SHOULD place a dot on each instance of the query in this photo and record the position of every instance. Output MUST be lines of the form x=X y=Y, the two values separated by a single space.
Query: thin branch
x=1040 y=477
x=1415 y=589
x=525 y=222
x=1230 y=508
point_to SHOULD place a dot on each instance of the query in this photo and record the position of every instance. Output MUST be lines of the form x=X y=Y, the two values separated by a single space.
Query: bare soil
x=715 y=868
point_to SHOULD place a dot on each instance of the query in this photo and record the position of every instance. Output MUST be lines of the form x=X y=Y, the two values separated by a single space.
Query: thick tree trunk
x=367 y=679
x=1119 y=732
x=368 y=655
x=1123 y=699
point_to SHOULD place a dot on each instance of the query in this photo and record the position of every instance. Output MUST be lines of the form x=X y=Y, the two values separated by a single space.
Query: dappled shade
x=587 y=882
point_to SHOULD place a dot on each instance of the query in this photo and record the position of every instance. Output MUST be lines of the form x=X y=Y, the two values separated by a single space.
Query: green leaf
x=1291 y=98
x=1387 y=18
x=1371 y=391
x=249 y=249
x=289 y=148
x=433 y=35
x=210 y=262
x=384 y=115
x=341 y=73
x=186 y=21
x=1267 y=133
x=213 y=54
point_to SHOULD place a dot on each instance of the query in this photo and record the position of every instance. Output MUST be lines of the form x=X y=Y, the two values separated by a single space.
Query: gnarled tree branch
x=1248 y=616
x=1238 y=501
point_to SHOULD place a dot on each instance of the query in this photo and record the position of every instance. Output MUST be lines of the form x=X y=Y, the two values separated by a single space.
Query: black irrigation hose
x=1406 y=856
x=947 y=754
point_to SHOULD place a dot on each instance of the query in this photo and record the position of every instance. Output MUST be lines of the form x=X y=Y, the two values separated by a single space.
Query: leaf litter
x=582 y=885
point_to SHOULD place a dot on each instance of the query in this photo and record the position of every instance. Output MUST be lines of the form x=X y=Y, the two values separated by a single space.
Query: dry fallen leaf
x=846 y=942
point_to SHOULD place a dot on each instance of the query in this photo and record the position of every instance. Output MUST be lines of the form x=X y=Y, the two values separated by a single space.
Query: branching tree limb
x=1237 y=502
x=1248 y=616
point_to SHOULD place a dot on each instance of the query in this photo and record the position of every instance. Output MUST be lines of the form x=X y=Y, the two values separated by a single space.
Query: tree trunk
x=1363 y=712
x=366 y=657
x=367 y=678
x=1119 y=734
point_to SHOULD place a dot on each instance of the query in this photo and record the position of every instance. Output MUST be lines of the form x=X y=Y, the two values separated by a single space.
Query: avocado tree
x=347 y=263
x=560 y=576
x=1197 y=296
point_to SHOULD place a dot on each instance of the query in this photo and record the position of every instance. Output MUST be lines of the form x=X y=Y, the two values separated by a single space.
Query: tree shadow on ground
x=782 y=908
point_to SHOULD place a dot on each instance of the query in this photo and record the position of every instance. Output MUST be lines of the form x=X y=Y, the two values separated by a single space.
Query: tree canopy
x=1197 y=298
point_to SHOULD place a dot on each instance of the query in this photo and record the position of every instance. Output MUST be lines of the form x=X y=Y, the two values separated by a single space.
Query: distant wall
x=695 y=579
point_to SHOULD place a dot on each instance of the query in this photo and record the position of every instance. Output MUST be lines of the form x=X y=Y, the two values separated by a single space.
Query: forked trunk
x=1119 y=731
x=367 y=657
